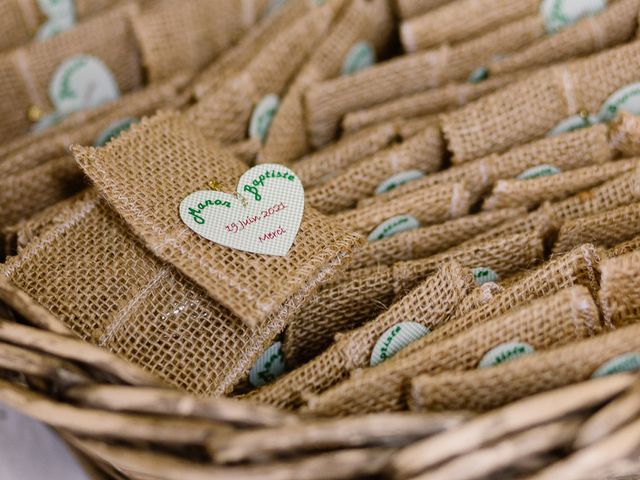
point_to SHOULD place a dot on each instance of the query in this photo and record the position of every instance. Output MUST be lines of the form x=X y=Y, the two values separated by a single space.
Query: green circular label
x=399 y=179
x=558 y=14
x=395 y=339
x=505 y=353
x=627 y=99
x=113 y=130
x=82 y=82
x=53 y=27
x=57 y=8
x=575 y=122
x=539 y=171
x=262 y=117
x=392 y=226
x=362 y=55
x=484 y=275
x=268 y=367
x=629 y=362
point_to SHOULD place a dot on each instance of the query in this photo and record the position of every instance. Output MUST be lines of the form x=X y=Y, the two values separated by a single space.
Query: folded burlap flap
x=145 y=174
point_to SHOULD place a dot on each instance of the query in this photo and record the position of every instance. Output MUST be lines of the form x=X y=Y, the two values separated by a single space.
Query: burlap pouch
x=362 y=294
x=422 y=152
x=572 y=150
x=544 y=323
x=447 y=25
x=624 y=247
x=531 y=108
x=581 y=267
x=412 y=8
x=89 y=127
x=622 y=190
x=427 y=206
x=414 y=244
x=604 y=229
x=25 y=73
x=363 y=21
x=478 y=297
x=236 y=58
x=619 y=298
x=529 y=193
x=613 y=26
x=318 y=166
x=133 y=304
x=20 y=20
x=224 y=113
x=25 y=193
x=212 y=27
x=429 y=304
x=147 y=171
x=435 y=100
x=488 y=388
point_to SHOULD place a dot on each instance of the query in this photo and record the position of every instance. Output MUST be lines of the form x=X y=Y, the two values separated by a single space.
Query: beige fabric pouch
x=542 y=324
x=131 y=303
x=422 y=309
x=27 y=72
x=145 y=174
x=619 y=297
x=488 y=388
x=363 y=29
x=624 y=247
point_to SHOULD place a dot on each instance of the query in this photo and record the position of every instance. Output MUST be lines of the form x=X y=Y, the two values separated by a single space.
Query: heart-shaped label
x=262 y=217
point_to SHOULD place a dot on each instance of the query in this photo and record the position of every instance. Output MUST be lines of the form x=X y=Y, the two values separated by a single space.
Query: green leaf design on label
x=399 y=179
x=82 y=82
x=395 y=339
x=113 y=130
x=558 y=14
x=269 y=366
x=505 y=353
x=626 y=99
x=392 y=226
x=484 y=275
x=362 y=55
x=539 y=171
x=629 y=362
x=262 y=117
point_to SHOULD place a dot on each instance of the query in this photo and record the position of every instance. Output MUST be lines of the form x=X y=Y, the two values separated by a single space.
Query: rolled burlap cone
x=624 y=247
x=414 y=244
x=323 y=164
x=28 y=71
x=430 y=101
x=488 y=388
x=604 y=229
x=223 y=114
x=478 y=297
x=529 y=193
x=446 y=25
x=619 y=289
x=553 y=94
x=412 y=8
x=581 y=148
x=426 y=206
x=363 y=24
x=151 y=210
x=421 y=153
x=543 y=324
x=428 y=305
x=132 y=304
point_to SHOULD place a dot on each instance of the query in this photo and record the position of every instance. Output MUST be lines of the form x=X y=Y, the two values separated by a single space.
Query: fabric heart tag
x=262 y=217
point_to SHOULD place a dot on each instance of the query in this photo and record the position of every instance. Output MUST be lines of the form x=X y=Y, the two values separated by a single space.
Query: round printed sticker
x=53 y=27
x=395 y=339
x=575 y=122
x=539 y=171
x=628 y=362
x=504 y=353
x=362 y=55
x=388 y=228
x=113 y=130
x=558 y=14
x=268 y=367
x=399 y=179
x=484 y=275
x=262 y=117
x=627 y=99
x=82 y=82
